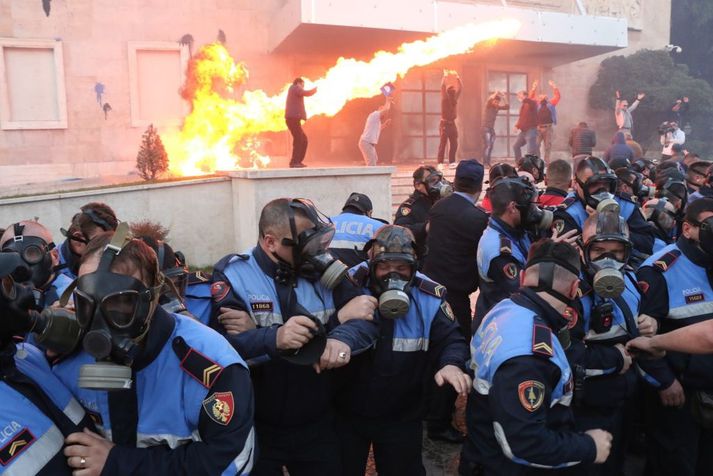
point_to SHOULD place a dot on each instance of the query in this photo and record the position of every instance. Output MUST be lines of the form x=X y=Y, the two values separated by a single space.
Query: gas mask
x=437 y=186
x=662 y=214
x=533 y=165
x=311 y=258
x=548 y=261
x=705 y=237
x=114 y=312
x=607 y=269
x=35 y=253
x=603 y=198
x=525 y=196
x=392 y=243
x=675 y=191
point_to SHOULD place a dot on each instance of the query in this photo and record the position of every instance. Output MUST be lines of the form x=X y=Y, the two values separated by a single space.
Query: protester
x=582 y=139
x=295 y=113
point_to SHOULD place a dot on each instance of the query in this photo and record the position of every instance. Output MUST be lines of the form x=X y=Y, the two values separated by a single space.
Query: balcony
x=553 y=32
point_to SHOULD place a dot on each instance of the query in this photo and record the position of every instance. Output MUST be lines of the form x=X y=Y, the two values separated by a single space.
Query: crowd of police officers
x=337 y=336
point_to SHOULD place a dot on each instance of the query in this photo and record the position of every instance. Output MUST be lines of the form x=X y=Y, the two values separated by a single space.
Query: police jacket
x=502 y=253
x=518 y=417
x=598 y=325
x=198 y=297
x=572 y=214
x=54 y=291
x=353 y=231
x=190 y=410
x=388 y=382
x=65 y=256
x=677 y=285
x=412 y=214
x=661 y=239
x=456 y=226
x=36 y=413
x=287 y=394
x=552 y=197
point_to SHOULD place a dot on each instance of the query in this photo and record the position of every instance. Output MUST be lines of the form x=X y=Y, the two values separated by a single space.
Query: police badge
x=220 y=407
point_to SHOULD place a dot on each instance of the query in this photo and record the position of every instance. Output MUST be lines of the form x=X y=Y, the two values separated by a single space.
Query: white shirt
x=372 y=128
x=675 y=137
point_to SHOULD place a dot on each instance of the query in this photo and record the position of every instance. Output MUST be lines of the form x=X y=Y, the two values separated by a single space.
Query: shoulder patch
x=446 y=308
x=220 y=407
x=542 y=340
x=667 y=260
x=558 y=226
x=568 y=202
x=195 y=364
x=644 y=286
x=505 y=245
x=404 y=210
x=218 y=290
x=430 y=287
x=531 y=394
x=18 y=444
x=510 y=271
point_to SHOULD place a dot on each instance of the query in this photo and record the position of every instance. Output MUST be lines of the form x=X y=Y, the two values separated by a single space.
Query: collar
x=268 y=266
x=692 y=252
x=514 y=232
x=555 y=191
x=528 y=298
x=466 y=196
x=161 y=328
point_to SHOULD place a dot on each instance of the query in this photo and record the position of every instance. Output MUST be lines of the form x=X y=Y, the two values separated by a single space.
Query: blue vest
x=412 y=331
x=576 y=209
x=28 y=438
x=170 y=399
x=198 y=301
x=258 y=292
x=506 y=332
x=659 y=244
x=353 y=231
x=63 y=260
x=690 y=296
x=618 y=332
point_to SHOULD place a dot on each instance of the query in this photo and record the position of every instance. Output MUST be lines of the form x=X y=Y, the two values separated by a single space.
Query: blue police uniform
x=54 y=291
x=64 y=258
x=36 y=413
x=381 y=399
x=198 y=298
x=572 y=214
x=502 y=253
x=519 y=420
x=294 y=409
x=352 y=232
x=678 y=291
x=191 y=387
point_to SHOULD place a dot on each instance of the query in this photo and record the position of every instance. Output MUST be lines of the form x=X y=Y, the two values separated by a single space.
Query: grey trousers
x=368 y=150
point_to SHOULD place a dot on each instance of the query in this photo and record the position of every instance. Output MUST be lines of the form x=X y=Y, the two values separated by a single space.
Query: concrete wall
x=209 y=218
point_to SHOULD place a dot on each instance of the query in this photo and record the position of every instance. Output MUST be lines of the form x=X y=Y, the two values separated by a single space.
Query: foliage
x=654 y=73
x=152 y=159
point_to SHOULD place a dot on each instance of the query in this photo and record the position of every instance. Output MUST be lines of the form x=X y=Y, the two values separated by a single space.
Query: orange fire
x=222 y=133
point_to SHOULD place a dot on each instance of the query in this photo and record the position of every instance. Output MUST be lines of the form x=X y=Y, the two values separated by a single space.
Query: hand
x=627 y=358
x=569 y=237
x=360 y=307
x=673 y=396
x=90 y=446
x=647 y=325
x=295 y=333
x=602 y=440
x=640 y=96
x=235 y=321
x=552 y=84
x=618 y=94
x=645 y=346
x=458 y=379
x=685 y=98
x=336 y=354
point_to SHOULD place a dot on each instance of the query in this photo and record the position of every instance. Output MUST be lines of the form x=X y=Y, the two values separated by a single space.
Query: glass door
x=505 y=121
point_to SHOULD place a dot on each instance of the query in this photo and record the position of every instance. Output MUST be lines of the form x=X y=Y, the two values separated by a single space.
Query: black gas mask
x=607 y=269
x=525 y=196
x=35 y=253
x=533 y=165
x=675 y=191
x=436 y=185
x=392 y=243
x=705 y=237
x=660 y=212
x=114 y=312
x=310 y=256
x=548 y=259
x=600 y=197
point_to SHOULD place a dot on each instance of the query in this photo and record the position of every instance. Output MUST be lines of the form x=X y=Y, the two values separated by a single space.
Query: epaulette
x=430 y=287
x=360 y=276
x=542 y=340
x=667 y=260
x=195 y=364
x=199 y=277
x=626 y=197
x=226 y=260
x=567 y=202
x=505 y=245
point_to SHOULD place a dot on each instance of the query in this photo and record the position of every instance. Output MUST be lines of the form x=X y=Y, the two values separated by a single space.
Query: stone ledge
x=306 y=172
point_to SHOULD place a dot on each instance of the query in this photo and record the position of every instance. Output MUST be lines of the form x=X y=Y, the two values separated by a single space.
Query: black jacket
x=412 y=214
x=456 y=226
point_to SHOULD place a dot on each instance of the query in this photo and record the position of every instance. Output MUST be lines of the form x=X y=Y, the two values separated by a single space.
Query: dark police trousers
x=299 y=140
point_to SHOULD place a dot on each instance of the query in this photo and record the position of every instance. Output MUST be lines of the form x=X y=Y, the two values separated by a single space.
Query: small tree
x=152 y=159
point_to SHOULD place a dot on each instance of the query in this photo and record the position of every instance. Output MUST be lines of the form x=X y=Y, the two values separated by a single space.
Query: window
x=156 y=74
x=32 y=94
x=421 y=114
x=505 y=121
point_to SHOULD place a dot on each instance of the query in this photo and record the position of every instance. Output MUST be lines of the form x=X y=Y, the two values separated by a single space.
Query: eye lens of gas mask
x=318 y=241
x=119 y=309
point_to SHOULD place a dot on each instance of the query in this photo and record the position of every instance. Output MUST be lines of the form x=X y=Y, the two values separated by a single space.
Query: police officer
x=594 y=189
x=605 y=381
x=168 y=394
x=519 y=418
x=301 y=312
x=705 y=186
x=678 y=291
x=354 y=227
x=34 y=243
x=36 y=411
x=495 y=173
x=198 y=297
x=502 y=250
x=533 y=166
x=429 y=186
x=382 y=403
x=661 y=213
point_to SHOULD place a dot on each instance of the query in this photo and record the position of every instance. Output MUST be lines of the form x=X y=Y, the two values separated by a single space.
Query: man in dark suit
x=455 y=226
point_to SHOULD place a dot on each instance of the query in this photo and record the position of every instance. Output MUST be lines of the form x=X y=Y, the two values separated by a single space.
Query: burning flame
x=220 y=129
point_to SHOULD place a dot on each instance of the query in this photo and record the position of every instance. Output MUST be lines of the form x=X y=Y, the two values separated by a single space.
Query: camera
x=665 y=128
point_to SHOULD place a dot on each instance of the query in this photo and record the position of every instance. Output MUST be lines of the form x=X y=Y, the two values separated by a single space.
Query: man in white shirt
x=375 y=122
x=671 y=137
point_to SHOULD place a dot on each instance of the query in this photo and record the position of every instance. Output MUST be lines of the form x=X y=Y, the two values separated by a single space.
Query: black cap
x=470 y=171
x=359 y=201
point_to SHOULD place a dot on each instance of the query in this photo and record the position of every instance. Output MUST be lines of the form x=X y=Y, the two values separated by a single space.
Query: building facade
x=81 y=79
